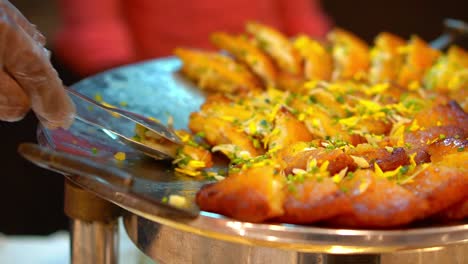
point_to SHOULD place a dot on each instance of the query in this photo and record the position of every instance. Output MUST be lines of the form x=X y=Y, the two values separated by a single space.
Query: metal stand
x=94 y=228
x=93 y=242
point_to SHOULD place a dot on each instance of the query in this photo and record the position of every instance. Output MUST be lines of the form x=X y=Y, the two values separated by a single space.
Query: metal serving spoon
x=120 y=125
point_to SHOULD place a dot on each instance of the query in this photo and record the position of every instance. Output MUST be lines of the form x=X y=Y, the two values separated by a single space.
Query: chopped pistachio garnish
x=120 y=156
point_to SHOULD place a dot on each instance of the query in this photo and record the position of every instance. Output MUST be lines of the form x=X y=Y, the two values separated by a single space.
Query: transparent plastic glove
x=27 y=78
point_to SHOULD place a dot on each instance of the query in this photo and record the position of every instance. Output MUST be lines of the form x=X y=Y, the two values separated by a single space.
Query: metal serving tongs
x=103 y=178
x=120 y=125
x=453 y=29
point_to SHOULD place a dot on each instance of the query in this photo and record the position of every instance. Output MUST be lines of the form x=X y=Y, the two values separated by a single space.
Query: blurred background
x=31 y=199
x=364 y=17
x=43 y=13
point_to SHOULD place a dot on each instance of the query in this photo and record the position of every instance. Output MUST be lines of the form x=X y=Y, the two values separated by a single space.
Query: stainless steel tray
x=154 y=88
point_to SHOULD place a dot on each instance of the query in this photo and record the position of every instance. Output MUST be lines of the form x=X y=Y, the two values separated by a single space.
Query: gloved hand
x=27 y=78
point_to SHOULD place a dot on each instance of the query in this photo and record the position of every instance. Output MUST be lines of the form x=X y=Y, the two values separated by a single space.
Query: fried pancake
x=291 y=159
x=442 y=184
x=314 y=200
x=253 y=195
x=378 y=203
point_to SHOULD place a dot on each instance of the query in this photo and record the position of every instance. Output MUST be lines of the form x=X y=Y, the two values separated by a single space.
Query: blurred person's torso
x=97 y=35
x=158 y=26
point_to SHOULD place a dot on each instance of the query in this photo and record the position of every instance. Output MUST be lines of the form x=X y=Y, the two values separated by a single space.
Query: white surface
x=55 y=249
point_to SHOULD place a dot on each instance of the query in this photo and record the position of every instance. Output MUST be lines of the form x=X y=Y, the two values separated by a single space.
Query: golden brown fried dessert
x=418 y=57
x=297 y=156
x=424 y=137
x=457 y=211
x=246 y=52
x=342 y=134
x=198 y=153
x=216 y=72
x=461 y=93
x=386 y=158
x=318 y=62
x=286 y=64
x=313 y=199
x=441 y=184
x=378 y=203
x=350 y=55
x=385 y=58
x=277 y=46
x=253 y=195
x=289 y=82
x=287 y=130
x=443 y=147
x=328 y=100
x=375 y=125
x=433 y=124
x=450 y=114
x=449 y=73
x=219 y=132
x=224 y=108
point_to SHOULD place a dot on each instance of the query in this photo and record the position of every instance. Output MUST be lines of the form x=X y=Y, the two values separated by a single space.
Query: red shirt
x=100 y=34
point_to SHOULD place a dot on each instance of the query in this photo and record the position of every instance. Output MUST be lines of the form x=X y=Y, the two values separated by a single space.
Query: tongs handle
x=119 y=184
x=75 y=165
x=453 y=30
